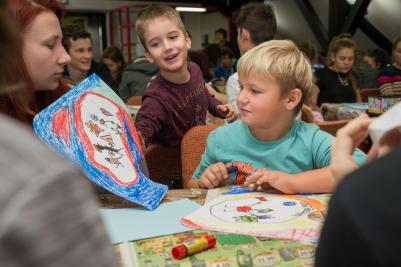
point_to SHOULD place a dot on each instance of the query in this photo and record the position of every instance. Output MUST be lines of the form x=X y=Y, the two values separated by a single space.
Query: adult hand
x=347 y=139
x=387 y=143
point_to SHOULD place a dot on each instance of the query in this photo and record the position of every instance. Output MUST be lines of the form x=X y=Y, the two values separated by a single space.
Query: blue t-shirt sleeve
x=208 y=157
x=321 y=147
x=359 y=157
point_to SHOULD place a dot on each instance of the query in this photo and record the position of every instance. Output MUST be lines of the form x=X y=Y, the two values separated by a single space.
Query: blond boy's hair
x=152 y=12
x=280 y=60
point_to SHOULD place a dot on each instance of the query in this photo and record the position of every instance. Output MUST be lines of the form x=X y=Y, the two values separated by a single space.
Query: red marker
x=193 y=247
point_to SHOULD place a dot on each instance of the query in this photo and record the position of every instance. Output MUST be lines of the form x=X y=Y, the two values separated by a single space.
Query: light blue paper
x=132 y=224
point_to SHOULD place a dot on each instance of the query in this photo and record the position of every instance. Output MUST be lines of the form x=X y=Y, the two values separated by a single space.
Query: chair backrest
x=332 y=127
x=164 y=164
x=193 y=145
x=135 y=100
x=306 y=114
x=366 y=92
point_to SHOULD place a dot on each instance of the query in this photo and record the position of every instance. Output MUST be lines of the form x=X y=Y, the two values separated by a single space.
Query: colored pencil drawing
x=91 y=126
x=263 y=214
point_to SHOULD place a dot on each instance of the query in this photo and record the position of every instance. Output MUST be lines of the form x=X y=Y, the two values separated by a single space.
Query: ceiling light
x=190 y=9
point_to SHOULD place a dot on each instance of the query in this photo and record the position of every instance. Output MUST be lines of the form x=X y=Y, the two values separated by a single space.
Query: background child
x=269 y=147
x=311 y=104
x=113 y=58
x=176 y=99
x=256 y=23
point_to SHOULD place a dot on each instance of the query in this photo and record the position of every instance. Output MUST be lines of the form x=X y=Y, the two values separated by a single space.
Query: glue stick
x=194 y=246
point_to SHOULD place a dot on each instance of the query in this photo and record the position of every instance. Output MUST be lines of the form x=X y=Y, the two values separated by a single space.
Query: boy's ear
x=244 y=35
x=293 y=98
x=188 y=40
x=148 y=57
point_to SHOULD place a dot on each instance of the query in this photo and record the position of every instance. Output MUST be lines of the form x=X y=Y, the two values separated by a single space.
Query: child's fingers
x=232 y=118
x=373 y=153
x=221 y=171
x=253 y=178
x=205 y=183
x=212 y=179
x=222 y=108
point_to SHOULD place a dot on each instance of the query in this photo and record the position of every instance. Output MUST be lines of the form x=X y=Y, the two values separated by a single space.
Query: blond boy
x=176 y=99
x=269 y=147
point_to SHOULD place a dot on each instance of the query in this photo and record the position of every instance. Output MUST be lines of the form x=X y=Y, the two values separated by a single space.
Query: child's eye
x=241 y=87
x=173 y=37
x=154 y=44
x=254 y=91
x=50 y=45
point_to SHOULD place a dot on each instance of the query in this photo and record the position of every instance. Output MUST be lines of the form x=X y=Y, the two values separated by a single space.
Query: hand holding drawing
x=347 y=139
x=387 y=143
x=228 y=111
x=214 y=176
x=271 y=179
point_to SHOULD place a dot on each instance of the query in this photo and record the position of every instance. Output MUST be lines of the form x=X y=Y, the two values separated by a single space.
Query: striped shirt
x=389 y=81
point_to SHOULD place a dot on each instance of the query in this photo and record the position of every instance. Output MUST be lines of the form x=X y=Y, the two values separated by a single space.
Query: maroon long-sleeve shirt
x=169 y=110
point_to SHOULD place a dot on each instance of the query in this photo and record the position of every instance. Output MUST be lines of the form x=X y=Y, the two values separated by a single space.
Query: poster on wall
x=90 y=125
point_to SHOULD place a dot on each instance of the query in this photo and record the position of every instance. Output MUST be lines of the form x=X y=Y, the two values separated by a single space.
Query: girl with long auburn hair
x=38 y=64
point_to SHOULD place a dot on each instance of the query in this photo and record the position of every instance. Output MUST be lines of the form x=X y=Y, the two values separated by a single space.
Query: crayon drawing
x=90 y=126
x=262 y=214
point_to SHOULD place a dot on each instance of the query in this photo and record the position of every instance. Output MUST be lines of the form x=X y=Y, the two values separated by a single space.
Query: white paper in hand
x=389 y=120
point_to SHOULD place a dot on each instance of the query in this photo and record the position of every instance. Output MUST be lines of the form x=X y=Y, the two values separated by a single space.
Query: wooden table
x=109 y=200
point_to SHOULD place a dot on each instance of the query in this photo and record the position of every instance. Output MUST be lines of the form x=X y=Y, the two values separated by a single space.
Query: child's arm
x=228 y=112
x=314 y=181
x=149 y=119
x=215 y=175
x=219 y=96
x=217 y=108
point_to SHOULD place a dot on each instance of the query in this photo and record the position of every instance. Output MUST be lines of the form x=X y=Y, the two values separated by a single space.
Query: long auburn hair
x=14 y=102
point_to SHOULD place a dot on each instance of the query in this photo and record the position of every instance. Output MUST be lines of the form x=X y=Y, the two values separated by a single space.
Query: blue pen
x=232 y=169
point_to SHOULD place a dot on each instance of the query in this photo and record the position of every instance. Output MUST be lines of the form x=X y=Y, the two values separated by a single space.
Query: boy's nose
x=242 y=99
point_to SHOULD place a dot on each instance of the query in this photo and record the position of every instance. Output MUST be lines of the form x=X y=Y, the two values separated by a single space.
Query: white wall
x=199 y=24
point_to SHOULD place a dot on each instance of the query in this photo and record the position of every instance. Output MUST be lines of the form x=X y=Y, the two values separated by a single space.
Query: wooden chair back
x=332 y=127
x=135 y=100
x=306 y=114
x=193 y=145
x=164 y=164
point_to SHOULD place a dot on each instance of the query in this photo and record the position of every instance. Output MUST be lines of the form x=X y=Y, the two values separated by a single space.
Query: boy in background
x=78 y=44
x=176 y=100
x=268 y=146
x=256 y=23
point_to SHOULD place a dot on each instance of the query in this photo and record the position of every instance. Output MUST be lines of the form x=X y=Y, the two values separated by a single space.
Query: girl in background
x=336 y=82
x=113 y=58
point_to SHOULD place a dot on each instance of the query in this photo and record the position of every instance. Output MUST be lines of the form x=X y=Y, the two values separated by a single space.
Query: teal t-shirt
x=305 y=147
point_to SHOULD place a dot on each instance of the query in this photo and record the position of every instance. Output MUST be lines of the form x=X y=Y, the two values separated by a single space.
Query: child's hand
x=214 y=176
x=347 y=139
x=265 y=179
x=227 y=111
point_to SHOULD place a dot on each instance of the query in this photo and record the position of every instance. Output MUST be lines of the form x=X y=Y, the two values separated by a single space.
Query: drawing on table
x=298 y=217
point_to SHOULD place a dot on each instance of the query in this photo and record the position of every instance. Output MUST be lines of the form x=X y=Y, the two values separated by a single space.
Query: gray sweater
x=48 y=215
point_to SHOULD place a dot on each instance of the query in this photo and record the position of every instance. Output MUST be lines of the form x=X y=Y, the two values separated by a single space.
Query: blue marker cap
x=232 y=169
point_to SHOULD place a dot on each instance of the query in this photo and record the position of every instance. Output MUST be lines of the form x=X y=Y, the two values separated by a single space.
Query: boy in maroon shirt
x=176 y=100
